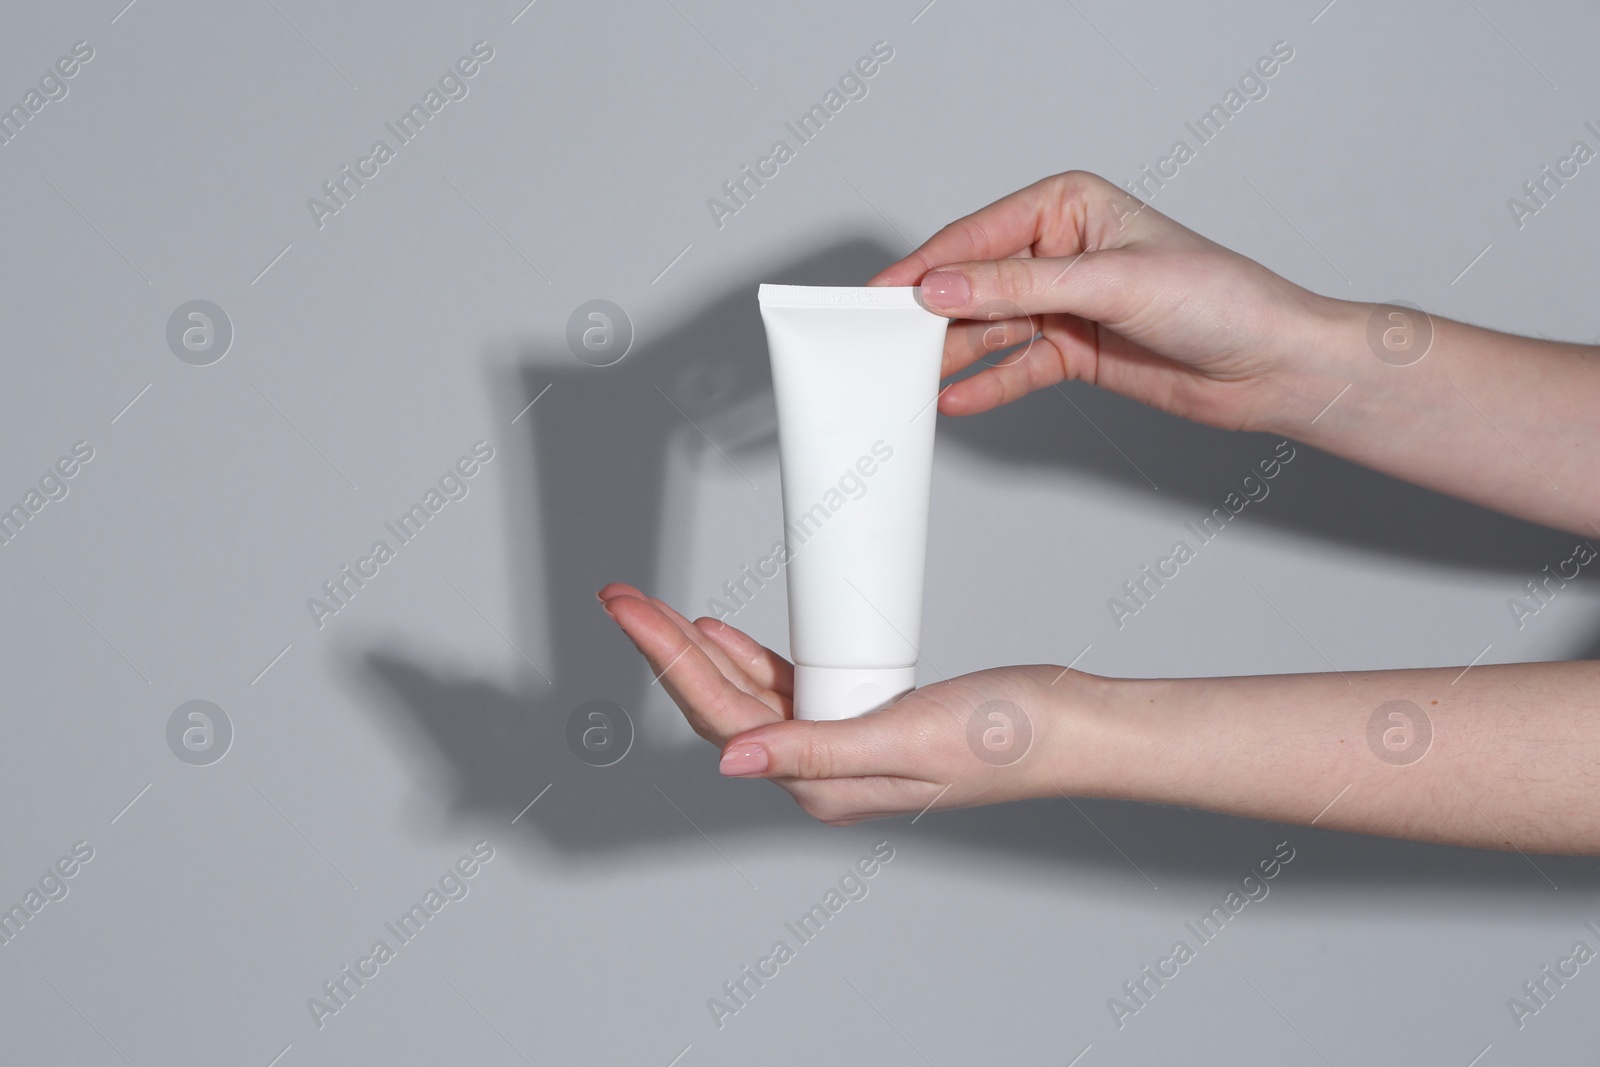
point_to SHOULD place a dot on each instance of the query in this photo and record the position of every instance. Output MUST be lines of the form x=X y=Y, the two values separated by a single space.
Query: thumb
x=1094 y=285
x=873 y=744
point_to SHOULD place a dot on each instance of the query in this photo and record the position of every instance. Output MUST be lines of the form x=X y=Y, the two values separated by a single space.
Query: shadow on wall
x=588 y=472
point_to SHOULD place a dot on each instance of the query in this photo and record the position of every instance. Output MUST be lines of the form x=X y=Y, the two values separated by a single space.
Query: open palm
x=903 y=759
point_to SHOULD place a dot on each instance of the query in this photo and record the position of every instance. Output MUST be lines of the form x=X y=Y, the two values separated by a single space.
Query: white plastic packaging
x=856 y=375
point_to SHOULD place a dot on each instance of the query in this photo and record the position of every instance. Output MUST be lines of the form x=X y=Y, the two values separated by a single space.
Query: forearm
x=1513 y=760
x=1510 y=423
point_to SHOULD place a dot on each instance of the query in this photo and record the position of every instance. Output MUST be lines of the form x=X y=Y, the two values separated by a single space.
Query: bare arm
x=1116 y=294
x=1122 y=296
x=1510 y=423
x=1505 y=757
x=1501 y=757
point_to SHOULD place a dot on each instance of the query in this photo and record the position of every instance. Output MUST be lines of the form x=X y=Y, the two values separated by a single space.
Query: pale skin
x=1129 y=300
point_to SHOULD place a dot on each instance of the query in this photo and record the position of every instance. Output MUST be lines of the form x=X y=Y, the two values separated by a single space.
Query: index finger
x=1060 y=216
x=1009 y=226
x=715 y=707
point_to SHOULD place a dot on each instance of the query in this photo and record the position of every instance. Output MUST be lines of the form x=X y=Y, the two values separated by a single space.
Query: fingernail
x=945 y=289
x=607 y=607
x=741 y=760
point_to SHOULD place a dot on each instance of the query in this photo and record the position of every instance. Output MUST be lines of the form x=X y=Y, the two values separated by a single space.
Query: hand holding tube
x=1124 y=298
x=1294 y=748
x=1120 y=295
x=923 y=751
x=1128 y=300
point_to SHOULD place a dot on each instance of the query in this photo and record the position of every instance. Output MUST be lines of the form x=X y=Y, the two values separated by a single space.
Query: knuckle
x=1065 y=182
x=1080 y=182
x=973 y=231
x=813 y=758
x=1013 y=279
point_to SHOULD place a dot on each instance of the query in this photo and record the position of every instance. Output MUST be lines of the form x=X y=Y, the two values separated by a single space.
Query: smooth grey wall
x=373 y=347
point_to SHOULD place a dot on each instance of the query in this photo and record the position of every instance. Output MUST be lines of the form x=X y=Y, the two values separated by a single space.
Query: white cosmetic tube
x=856 y=375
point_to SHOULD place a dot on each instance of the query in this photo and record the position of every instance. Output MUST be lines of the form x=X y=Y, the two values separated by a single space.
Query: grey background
x=427 y=715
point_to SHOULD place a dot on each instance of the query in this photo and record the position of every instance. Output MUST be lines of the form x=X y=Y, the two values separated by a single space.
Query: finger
x=969 y=340
x=1100 y=286
x=730 y=670
x=1004 y=227
x=612 y=589
x=760 y=663
x=1039 y=365
x=729 y=667
x=898 y=741
x=1062 y=215
x=715 y=707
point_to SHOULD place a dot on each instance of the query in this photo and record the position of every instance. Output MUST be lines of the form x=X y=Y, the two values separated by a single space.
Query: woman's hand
x=1122 y=296
x=1507 y=760
x=979 y=739
x=1129 y=300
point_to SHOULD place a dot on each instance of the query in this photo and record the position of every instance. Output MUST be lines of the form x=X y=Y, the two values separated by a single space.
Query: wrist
x=1322 y=351
x=1094 y=738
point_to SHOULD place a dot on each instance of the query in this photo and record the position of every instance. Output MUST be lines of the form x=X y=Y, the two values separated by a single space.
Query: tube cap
x=846 y=692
